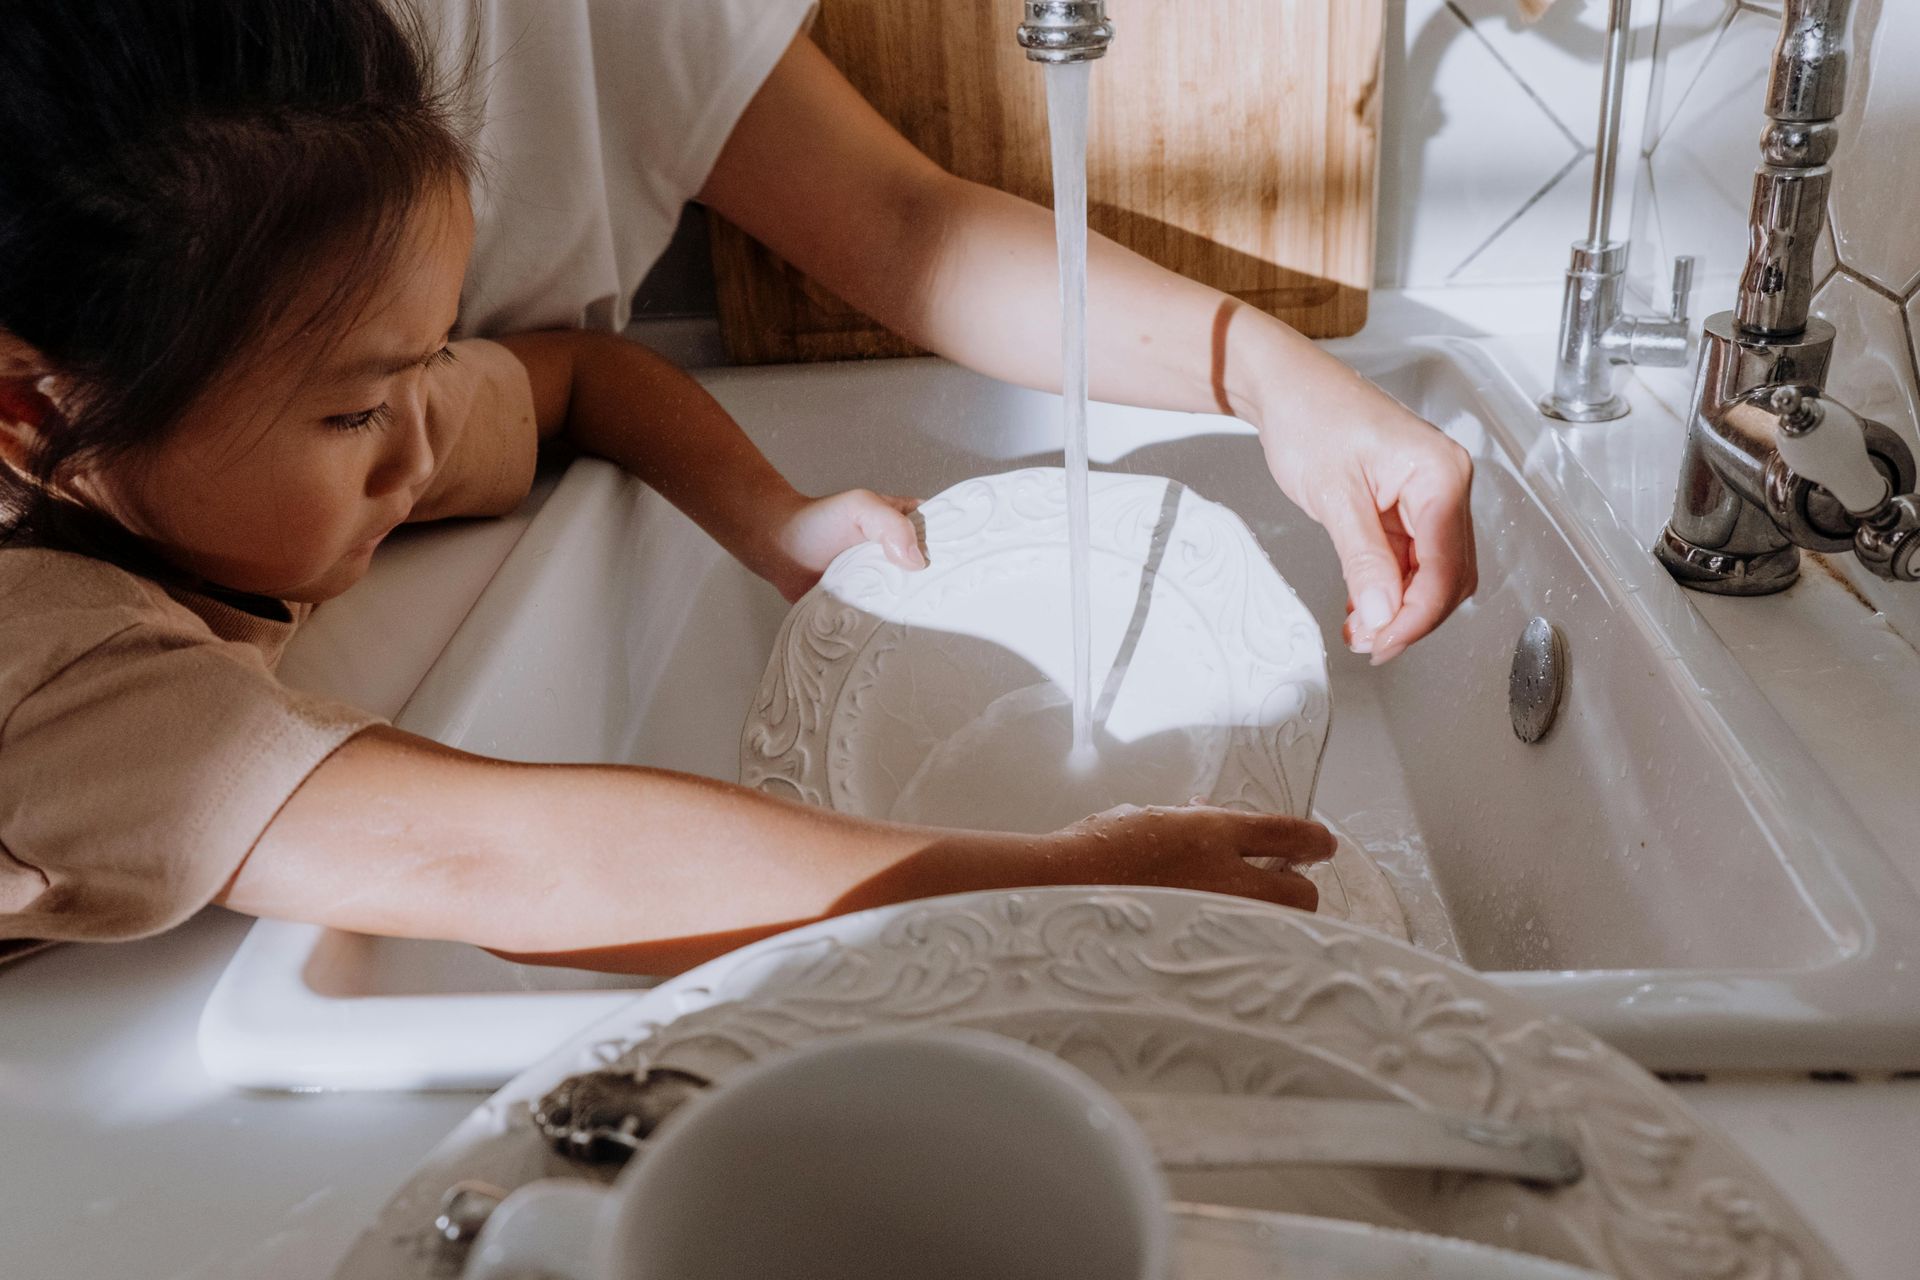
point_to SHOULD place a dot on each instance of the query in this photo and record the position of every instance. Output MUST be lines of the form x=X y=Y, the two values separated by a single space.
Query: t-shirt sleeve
x=708 y=57
x=595 y=122
x=485 y=439
x=136 y=776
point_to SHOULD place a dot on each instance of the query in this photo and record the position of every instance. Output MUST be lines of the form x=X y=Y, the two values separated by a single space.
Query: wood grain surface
x=1233 y=141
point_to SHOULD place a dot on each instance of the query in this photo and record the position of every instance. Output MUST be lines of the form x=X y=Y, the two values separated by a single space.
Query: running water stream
x=1067 y=129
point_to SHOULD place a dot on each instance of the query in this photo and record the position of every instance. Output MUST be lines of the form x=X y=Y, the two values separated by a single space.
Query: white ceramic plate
x=1169 y=990
x=937 y=696
x=1212 y=1242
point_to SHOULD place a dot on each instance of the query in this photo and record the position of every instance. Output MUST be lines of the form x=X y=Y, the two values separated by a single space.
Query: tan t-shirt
x=144 y=742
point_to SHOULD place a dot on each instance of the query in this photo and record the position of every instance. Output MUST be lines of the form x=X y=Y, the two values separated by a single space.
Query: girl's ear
x=28 y=393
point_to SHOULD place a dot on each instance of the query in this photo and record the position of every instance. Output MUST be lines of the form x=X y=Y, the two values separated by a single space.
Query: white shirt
x=597 y=120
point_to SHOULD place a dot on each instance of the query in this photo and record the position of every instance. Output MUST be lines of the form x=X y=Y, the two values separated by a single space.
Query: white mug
x=938 y=1154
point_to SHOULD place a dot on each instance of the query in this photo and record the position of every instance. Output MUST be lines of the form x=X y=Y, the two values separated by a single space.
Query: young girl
x=233 y=236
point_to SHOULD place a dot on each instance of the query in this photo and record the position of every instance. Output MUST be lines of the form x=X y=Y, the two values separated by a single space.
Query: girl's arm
x=813 y=172
x=617 y=399
x=649 y=871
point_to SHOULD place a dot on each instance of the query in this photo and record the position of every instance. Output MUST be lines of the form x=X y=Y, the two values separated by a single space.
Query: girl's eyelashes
x=380 y=415
x=365 y=420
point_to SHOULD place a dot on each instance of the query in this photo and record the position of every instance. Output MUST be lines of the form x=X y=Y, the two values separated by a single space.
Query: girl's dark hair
x=172 y=173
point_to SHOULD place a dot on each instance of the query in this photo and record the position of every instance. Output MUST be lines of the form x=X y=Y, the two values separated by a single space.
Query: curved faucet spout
x=1805 y=95
x=1809 y=79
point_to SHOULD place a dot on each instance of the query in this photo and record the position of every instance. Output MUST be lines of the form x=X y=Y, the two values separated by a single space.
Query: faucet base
x=1724 y=573
x=1575 y=411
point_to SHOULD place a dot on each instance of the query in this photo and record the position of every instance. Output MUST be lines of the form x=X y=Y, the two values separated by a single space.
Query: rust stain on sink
x=1846 y=584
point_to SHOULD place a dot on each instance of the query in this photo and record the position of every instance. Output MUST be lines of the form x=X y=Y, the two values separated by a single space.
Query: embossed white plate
x=937 y=696
x=1170 y=990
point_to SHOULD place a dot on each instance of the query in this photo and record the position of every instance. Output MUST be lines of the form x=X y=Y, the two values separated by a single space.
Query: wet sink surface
x=1667 y=866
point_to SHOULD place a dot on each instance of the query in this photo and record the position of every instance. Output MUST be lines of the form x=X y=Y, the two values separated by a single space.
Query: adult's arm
x=813 y=172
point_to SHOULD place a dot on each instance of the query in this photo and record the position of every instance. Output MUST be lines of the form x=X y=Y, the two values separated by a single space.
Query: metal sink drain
x=1538 y=681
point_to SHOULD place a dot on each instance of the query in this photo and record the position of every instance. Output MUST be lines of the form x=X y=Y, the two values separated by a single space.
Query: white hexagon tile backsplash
x=1487 y=147
x=1701 y=145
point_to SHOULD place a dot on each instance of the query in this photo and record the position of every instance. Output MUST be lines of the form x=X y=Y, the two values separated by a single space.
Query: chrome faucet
x=1065 y=30
x=1595 y=332
x=1772 y=464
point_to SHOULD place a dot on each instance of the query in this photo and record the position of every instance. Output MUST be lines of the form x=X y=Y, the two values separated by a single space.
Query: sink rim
x=1790 y=1017
x=1874 y=944
x=1859 y=1010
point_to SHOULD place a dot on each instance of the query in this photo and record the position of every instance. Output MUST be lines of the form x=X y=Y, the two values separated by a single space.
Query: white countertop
x=120 y=1158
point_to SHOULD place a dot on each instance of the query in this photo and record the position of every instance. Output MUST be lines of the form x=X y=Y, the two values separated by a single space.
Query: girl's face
x=284 y=477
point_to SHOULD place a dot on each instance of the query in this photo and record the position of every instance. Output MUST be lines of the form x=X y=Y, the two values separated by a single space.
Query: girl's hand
x=1196 y=847
x=803 y=540
x=1392 y=492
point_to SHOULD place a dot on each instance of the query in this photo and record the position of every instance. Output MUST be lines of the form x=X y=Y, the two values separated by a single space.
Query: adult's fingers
x=1402 y=547
x=1367 y=561
x=1440 y=520
x=1399 y=541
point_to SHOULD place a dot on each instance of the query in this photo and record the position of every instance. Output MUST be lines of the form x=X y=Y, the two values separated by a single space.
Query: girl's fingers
x=1269 y=835
x=1293 y=840
x=888 y=525
x=1281 y=888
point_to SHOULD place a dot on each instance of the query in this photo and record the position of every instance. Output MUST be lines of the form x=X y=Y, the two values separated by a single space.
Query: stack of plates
x=1168 y=991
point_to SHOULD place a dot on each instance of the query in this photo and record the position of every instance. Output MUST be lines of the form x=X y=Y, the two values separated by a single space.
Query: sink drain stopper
x=1538 y=681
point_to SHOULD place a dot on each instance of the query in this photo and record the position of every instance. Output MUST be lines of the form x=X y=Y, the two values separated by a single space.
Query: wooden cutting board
x=1234 y=141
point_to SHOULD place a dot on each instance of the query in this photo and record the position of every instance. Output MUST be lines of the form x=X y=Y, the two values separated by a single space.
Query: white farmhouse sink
x=1667 y=867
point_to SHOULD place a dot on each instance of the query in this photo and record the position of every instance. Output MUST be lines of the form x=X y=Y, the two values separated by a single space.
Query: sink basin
x=1667 y=866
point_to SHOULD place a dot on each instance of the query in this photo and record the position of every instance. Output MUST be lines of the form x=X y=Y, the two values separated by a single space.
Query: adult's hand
x=1393 y=494
x=813 y=172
